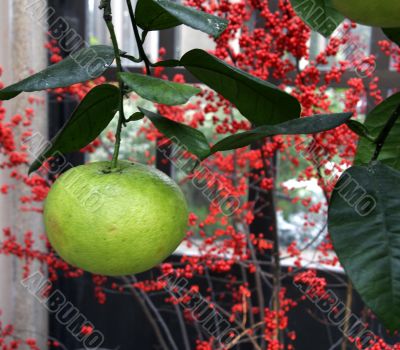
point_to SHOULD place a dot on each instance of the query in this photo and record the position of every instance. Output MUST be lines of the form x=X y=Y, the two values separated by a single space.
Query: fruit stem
x=139 y=41
x=380 y=140
x=106 y=6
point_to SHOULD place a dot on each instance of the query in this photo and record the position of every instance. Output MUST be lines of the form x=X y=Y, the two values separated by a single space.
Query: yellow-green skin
x=377 y=13
x=115 y=223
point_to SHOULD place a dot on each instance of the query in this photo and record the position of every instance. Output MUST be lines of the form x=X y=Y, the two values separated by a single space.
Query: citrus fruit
x=379 y=13
x=115 y=222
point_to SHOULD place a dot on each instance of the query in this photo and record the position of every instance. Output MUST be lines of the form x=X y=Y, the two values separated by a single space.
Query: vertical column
x=24 y=52
x=5 y=262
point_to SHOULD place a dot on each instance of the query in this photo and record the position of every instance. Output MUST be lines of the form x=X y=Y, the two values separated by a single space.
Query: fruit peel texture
x=122 y=222
x=379 y=13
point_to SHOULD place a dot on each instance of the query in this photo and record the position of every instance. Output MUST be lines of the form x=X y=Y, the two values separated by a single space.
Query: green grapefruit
x=115 y=222
x=378 y=13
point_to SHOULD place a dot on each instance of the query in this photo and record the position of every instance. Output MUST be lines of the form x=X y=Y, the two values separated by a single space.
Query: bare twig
x=346 y=325
x=148 y=314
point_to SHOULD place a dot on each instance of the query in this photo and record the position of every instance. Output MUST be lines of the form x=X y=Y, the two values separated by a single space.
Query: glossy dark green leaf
x=364 y=224
x=259 y=101
x=393 y=34
x=159 y=90
x=88 y=120
x=360 y=129
x=167 y=63
x=375 y=122
x=150 y=16
x=319 y=15
x=83 y=65
x=135 y=117
x=307 y=125
x=193 y=139
x=163 y=14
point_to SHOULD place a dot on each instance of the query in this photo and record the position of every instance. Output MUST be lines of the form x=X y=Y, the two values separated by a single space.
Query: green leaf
x=259 y=101
x=319 y=15
x=364 y=224
x=393 y=34
x=163 y=14
x=88 y=120
x=83 y=65
x=375 y=121
x=306 y=125
x=150 y=16
x=159 y=90
x=167 y=63
x=193 y=139
x=135 y=117
x=360 y=129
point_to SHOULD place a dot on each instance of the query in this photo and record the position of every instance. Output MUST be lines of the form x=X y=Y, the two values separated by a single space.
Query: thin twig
x=210 y=285
x=148 y=314
x=241 y=335
x=139 y=41
x=158 y=316
x=182 y=325
x=349 y=304
x=380 y=141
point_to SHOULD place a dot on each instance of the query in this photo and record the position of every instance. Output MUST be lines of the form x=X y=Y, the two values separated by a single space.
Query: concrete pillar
x=23 y=35
x=5 y=262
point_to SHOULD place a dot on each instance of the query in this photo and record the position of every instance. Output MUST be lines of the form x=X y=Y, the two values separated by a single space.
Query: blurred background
x=230 y=260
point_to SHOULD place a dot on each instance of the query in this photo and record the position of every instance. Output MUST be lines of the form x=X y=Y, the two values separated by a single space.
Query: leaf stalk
x=380 y=140
x=106 y=6
x=139 y=41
